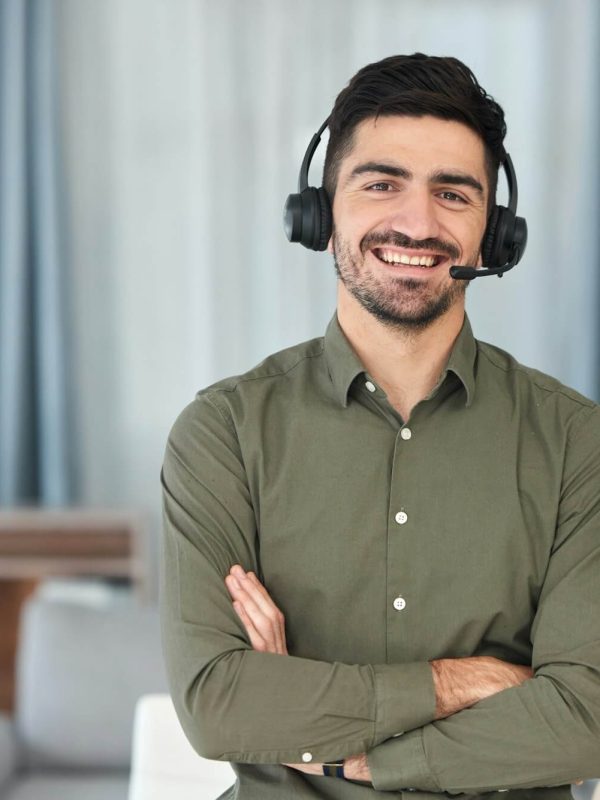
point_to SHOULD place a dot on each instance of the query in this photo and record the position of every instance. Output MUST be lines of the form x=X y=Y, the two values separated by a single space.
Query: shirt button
x=406 y=433
x=370 y=386
x=401 y=517
x=399 y=604
x=306 y=757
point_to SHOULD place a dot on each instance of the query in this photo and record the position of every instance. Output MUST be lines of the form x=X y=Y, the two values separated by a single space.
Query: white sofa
x=81 y=667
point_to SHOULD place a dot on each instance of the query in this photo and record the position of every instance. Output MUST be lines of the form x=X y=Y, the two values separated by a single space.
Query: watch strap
x=334 y=769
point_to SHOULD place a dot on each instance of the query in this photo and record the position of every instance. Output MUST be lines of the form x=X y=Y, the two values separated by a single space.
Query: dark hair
x=415 y=86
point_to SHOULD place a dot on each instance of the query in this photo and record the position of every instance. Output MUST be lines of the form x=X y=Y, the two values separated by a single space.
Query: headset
x=307 y=219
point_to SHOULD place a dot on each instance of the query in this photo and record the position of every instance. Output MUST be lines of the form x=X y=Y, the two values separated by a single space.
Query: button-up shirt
x=470 y=529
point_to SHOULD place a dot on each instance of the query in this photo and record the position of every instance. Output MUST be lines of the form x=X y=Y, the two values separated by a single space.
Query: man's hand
x=265 y=626
x=264 y=622
x=462 y=682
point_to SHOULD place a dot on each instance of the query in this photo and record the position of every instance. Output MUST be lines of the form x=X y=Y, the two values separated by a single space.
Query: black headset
x=307 y=219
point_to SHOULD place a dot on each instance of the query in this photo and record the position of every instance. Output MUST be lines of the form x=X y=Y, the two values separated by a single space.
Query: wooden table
x=36 y=544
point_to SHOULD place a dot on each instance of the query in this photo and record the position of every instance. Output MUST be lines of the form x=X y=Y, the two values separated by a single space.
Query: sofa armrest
x=8 y=749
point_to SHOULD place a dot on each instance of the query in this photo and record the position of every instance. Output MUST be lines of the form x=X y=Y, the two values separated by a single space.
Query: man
x=382 y=546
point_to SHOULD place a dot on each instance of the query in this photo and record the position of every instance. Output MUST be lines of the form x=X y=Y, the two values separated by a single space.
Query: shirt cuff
x=400 y=763
x=404 y=696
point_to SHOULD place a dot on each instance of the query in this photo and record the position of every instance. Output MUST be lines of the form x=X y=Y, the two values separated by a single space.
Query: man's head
x=415 y=86
x=411 y=171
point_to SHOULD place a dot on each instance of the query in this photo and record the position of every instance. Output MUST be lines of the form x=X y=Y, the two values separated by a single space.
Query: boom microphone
x=468 y=273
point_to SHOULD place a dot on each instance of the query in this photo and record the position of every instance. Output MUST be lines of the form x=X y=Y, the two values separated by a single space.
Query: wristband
x=334 y=769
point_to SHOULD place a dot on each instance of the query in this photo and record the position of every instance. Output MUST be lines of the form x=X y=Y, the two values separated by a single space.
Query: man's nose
x=415 y=214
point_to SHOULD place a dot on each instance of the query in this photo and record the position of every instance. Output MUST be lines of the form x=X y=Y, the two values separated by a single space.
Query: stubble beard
x=401 y=303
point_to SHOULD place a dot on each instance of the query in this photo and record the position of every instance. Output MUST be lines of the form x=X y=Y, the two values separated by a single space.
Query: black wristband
x=334 y=769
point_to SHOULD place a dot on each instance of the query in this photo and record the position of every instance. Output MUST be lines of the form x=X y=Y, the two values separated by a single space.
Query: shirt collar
x=343 y=363
x=462 y=360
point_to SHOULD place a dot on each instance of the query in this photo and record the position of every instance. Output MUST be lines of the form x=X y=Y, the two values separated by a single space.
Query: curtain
x=36 y=421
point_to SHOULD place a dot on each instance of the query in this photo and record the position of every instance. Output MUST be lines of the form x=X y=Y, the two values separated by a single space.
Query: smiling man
x=382 y=546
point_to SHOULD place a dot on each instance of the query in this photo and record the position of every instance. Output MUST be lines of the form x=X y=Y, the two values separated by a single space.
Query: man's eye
x=382 y=186
x=455 y=198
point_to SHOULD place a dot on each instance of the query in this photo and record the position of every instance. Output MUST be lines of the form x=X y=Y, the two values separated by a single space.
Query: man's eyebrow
x=383 y=169
x=458 y=179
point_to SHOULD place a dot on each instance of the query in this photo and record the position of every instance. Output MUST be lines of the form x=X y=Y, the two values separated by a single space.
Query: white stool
x=164 y=764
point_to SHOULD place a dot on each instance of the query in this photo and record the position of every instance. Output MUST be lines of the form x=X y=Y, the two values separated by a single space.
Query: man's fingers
x=239 y=592
x=267 y=621
x=256 y=640
x=249 y=583
x=267 y=633
x=256 y=590
x=263 y=599
x=260 y=589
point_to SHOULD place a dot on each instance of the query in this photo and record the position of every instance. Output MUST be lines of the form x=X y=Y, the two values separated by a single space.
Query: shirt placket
x=401 y=596
x=398 y=588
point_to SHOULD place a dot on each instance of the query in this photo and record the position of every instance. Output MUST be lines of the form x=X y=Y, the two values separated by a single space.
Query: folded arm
x=458 y=682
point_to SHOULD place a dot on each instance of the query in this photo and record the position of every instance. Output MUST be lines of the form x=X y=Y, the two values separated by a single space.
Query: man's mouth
x=393 y=257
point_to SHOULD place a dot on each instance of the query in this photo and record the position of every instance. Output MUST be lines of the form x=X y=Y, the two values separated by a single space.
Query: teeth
x=415 y=261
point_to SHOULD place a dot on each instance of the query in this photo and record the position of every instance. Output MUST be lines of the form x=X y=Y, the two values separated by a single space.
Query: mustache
x=397 y=239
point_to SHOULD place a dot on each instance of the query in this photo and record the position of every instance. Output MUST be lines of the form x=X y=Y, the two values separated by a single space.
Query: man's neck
x=406 y=364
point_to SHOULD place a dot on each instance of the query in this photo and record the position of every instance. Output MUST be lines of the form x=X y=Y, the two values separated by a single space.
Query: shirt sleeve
x=234 y=703
x=545 y=732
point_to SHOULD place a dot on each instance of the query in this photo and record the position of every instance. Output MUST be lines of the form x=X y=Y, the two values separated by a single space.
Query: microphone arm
x=468 y=273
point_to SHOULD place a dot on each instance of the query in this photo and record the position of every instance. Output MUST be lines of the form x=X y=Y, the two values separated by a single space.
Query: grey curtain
x=36 y=424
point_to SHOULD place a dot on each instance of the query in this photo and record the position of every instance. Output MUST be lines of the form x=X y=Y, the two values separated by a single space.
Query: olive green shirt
x=473 y=528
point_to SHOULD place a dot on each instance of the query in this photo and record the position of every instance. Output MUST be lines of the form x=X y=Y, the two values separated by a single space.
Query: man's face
x=411 y=188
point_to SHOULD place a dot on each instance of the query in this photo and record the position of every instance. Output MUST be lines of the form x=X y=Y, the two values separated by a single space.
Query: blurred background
x=146 y=150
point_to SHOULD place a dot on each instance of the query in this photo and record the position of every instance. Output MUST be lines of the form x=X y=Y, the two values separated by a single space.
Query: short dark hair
x=415 y=86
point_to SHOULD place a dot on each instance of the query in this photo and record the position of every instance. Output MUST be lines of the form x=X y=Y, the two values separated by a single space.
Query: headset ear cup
x=302 y=217
x=520 y=237
x=499 y=239
x=292 y=217
x=307 y=218
x=311 y=217
x=326 y=220
x=487 y=246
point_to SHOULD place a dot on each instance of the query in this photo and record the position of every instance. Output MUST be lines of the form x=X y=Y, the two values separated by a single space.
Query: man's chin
x=409 y=316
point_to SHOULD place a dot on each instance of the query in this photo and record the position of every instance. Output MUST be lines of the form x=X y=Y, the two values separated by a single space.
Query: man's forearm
x=539 y=734
x=462 y=682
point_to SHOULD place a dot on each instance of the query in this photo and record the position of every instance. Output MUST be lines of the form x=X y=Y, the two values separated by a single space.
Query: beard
x=402 y=303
